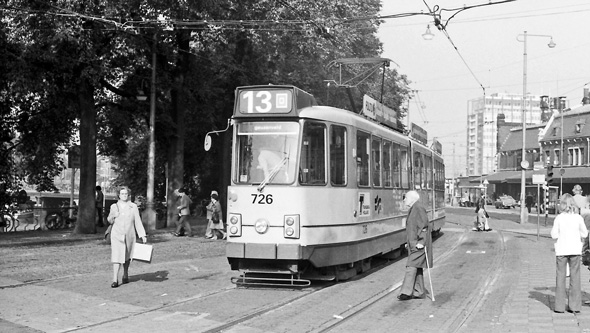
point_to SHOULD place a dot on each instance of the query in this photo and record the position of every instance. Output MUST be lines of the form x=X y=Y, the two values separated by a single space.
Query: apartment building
x=482 y=127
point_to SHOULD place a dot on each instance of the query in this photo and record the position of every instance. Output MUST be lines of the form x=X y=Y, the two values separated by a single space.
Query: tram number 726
x=262 y=199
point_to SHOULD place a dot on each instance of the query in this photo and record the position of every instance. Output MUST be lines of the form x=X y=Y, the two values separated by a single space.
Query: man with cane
x=419 y=244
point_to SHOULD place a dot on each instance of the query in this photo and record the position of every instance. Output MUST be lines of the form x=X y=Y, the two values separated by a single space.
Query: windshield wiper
x=273 y=172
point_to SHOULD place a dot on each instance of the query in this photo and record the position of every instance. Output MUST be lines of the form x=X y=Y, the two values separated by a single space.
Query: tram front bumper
x=264 y=251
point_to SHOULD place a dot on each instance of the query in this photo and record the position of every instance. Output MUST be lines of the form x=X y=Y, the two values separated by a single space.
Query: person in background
x=419 y=243
x=183 y=214
x=481 y=223
x=215 y=219
x=528 y=201
x=569 y=230
x=579 y=199
x=98 y=203
x=124 y=216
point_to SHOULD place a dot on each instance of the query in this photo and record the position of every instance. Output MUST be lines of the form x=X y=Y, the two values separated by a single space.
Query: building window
x=556 y=156
x=575 y=156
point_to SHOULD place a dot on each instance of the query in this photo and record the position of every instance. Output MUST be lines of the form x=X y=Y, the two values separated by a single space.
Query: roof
x=514 y=139
x=501 y=176
x=570 y=175
x=579 y=115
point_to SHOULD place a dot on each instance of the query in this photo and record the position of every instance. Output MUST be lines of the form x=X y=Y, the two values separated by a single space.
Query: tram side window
x=313 y=154
x=404 y=162
x=397 y=166
x=428 y=171
x=387 y=171
x=440 y=176
x=376 y=154
x=363 y=142
x=338 y=155
x=418 y=171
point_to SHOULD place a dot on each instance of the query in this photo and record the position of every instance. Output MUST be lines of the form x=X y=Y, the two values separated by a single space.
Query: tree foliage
x=67 y=65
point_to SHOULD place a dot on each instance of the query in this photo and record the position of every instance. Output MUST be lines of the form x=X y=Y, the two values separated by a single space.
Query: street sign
x=562 y=171
x=539 y=179
x=74 y=157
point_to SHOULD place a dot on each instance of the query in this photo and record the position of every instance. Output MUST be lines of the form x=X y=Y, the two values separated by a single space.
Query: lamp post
x=524 y=163
x=150 y=213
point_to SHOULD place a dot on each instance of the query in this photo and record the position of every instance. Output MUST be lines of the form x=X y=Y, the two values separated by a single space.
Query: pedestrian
x=419 y=245
x=126 y=223
x=579 y=199
x=215 y=219
x=481 y=222
x=99 y=204
x=585 y=212
x=183 y=214
x=528 y=201
x=569 y=230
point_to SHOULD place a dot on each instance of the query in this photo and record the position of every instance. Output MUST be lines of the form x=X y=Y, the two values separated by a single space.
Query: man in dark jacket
x=419 y=243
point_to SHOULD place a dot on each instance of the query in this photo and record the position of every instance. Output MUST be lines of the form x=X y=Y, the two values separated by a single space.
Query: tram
x=316 y=192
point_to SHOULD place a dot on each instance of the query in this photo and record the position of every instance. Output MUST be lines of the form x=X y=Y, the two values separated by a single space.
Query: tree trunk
x=85 y=223
x=176 y=150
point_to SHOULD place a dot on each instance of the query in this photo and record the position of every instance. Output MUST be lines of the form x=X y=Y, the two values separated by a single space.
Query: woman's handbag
x=586 y=258
x=107 y=232
x=215 y=217
x=143 y=252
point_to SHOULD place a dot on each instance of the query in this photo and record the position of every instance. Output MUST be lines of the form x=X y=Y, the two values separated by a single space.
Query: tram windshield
x=266 y=152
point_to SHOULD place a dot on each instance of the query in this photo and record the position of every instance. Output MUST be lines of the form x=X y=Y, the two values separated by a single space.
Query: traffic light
x=549 y=175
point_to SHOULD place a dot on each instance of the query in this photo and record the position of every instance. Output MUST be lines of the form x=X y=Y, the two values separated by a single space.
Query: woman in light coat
x=569 y=231
x=215 y=228
x=124 y=216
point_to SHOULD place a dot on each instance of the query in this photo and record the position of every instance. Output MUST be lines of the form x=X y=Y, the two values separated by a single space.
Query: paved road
x=53 y=281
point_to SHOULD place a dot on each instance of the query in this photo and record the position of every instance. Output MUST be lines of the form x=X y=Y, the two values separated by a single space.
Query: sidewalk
x=528 y=306
x=25 y=234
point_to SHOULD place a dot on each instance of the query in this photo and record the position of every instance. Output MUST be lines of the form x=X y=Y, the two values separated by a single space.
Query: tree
x=64 y=59
x=81 y=64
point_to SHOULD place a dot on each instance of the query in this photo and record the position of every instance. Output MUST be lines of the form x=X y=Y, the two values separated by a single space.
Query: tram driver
x=267 y=161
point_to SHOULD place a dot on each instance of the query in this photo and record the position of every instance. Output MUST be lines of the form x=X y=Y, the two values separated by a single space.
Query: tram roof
x=341 y=116
x=263 y=101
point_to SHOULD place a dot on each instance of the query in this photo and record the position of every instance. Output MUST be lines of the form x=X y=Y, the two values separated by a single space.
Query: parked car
x=505 y=201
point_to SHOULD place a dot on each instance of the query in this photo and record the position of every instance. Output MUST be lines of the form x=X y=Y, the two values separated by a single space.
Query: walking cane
x=429 y=276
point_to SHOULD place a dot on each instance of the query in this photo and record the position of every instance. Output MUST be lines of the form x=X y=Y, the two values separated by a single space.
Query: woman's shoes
x=114 y=284
x=125 y=280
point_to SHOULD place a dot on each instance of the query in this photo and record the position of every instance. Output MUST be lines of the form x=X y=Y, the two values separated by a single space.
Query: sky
x=488 y=57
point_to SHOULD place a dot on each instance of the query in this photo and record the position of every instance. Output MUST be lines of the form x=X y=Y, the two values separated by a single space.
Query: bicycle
x=61 y=218
x=8 y=218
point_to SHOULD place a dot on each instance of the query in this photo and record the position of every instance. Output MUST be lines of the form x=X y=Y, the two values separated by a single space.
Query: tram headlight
x=261 y=226
x=289 y=231
x=235 y=227
x=291 y=226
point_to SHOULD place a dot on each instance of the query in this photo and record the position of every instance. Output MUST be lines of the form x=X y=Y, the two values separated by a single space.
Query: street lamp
x=428 y=35
x=524 y=163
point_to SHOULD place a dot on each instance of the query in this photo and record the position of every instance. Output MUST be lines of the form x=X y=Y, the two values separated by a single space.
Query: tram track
x=460 y=318
x=338 y=318
x=368 y=303
x=477 y=298
x=458 y=321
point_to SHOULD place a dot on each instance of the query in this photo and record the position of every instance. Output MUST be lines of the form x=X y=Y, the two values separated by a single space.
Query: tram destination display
x=265 y=101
